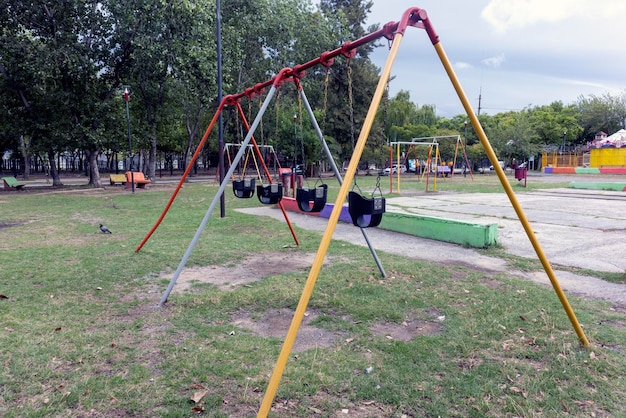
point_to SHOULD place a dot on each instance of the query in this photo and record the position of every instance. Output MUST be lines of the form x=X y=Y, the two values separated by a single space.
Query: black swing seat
x=365 y=212
x=243 y=189
x=316 y=196
x=269 y=194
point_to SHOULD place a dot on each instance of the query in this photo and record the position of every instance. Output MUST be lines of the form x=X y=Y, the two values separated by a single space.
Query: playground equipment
x=466 y=162
x=432 y=162
x=243 y=187
x=309 y=200
x=428 y=166
x=394 y=32
x=312 y=200
x=366 y=211
x=250 y=152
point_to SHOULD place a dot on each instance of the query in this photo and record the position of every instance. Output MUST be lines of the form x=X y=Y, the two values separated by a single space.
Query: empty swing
x=244 y=187
x=309 y=199
x=312 y=200
x=366 y=211
x=269 y=194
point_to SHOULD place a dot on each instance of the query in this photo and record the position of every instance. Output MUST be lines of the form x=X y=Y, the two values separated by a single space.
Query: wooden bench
x=117 y=178
x=11 y=183
x=138 y=177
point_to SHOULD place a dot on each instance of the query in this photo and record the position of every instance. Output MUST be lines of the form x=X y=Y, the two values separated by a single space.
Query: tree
x=513 y=136
x=553 y=122
x=351 y=85
x=68 y=60
x=601 y=113
x=167 y=40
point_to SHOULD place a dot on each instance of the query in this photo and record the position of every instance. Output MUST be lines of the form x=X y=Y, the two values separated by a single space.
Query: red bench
x=138 y=178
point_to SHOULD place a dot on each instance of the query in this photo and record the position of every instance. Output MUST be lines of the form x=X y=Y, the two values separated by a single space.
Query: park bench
x=138 y=177
x=443 y=170
x=11 y=183
x=117 y=178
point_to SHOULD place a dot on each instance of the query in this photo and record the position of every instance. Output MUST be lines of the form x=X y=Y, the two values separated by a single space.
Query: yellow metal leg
x=290 y=339
x=509 y=191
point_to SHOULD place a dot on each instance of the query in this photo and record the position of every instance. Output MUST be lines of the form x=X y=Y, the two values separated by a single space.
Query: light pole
x=295 y=140
x=220 y=127
x=130 y=142
x=294 y=174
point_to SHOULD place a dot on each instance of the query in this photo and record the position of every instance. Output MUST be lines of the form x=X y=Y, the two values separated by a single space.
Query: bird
x=105 y=230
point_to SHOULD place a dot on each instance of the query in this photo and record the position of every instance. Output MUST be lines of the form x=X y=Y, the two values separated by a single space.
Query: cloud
x=505 y=15
x=494 y=62
x=463 y=65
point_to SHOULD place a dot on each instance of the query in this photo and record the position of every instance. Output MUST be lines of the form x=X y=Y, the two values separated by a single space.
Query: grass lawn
x=81 y=333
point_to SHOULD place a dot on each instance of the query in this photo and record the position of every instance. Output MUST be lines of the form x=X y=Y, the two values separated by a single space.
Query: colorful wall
x=601 y=161
x=607 y=157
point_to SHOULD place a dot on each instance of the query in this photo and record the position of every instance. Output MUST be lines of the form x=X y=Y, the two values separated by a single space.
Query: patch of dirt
x=275 y=323
x=248 y=270
x=10 y=224
x=409 y=328
x=491 y=283
x=362 y=409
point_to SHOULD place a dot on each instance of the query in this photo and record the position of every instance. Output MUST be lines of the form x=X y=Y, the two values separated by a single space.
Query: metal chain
x=380 y=192
x=351 y=106
x=301 y=132
x=325 y=100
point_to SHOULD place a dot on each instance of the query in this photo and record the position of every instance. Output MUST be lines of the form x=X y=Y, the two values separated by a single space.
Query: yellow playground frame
x=414 y=17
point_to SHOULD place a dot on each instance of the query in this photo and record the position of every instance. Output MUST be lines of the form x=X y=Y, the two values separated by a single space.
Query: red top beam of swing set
x=414 y=17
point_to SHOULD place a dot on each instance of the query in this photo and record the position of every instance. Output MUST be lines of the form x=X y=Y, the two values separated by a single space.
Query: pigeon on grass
x=105 y=230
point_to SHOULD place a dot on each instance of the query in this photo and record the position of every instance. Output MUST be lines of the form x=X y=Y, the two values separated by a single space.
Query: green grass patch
x=81 y=333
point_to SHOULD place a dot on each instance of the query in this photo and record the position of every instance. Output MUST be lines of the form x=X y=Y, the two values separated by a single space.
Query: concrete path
x=585 y=229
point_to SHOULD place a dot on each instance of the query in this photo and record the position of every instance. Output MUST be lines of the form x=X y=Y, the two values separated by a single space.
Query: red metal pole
x=265 y=169
x=185 y=174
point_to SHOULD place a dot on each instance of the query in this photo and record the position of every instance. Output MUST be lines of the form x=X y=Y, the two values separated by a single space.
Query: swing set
x=243 y=187
x=394 y=33
x=431 y=163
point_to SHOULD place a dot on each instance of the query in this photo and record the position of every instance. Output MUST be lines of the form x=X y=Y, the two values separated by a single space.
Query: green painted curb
x=587 y=170
x=441 y=229
x=618 y=187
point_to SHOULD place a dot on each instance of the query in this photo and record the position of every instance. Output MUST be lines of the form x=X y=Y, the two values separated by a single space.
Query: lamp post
x=220 y=127
x=294 y=175
x=130 y=142
x=295 y=140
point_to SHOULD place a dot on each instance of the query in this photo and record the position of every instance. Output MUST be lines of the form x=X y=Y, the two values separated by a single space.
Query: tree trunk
x=151 y=172
x=54 y=171
x=94 y=172
x=26 y=155
x=192 y=125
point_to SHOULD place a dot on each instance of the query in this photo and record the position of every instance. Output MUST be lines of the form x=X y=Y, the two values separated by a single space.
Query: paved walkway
x=586 y=231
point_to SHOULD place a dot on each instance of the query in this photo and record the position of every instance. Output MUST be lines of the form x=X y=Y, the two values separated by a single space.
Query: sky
x=513 y=54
